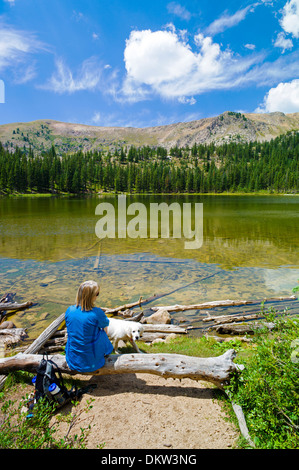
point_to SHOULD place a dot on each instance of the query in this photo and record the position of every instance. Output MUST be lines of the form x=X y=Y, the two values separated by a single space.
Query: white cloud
x=63 y=80
x=163 y=63
x=25 y=74
x=283 y=42
x=251 y=47
x=185 y=100
x=178 y=10
x=154 y=57
x=270 y=73
x=96 y=118
x=290 y=18
x=16 y=46
x=228 y=21
x=284 y=98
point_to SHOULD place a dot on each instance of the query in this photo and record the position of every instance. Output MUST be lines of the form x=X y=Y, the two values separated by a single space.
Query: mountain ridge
x=227 y=127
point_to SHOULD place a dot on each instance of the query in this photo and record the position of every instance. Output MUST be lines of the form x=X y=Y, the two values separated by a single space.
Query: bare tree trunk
x=217 y=370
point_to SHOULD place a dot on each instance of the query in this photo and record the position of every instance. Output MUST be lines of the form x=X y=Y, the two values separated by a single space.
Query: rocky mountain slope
x=227 y=127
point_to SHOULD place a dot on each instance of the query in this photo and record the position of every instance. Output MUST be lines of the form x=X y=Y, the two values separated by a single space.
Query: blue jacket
x=87 y=342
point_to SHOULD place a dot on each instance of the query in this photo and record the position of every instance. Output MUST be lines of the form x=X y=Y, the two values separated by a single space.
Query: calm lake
x=48 y=246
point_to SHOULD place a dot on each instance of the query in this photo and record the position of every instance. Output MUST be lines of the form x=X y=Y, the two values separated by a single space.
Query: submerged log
x=217 y=370
x=13 y=306
x=220 y=303
x=117 y=310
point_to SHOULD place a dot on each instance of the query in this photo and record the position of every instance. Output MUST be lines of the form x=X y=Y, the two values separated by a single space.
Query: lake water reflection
x=48 y=247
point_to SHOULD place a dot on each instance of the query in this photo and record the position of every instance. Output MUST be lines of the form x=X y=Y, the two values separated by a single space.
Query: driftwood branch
x=241 y=420
x=217 y=370
x=14 y=306
x=220 y=303
x=114 y=311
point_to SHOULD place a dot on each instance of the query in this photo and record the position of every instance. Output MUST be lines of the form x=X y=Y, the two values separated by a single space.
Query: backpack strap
x=48 y=378
x=56 y=369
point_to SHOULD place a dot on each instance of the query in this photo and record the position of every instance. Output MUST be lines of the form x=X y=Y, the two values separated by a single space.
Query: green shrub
x=41 y=431
x=268 y=387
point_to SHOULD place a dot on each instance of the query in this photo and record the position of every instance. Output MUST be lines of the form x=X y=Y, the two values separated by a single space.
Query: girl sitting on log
x=87 y=341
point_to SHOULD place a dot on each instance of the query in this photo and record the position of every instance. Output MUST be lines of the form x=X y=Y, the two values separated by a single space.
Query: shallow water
x=48 y=247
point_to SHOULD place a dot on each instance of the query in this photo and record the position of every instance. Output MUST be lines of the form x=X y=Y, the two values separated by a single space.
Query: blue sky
x=146 y=63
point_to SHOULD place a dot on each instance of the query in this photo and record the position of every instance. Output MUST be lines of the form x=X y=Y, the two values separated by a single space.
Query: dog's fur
x=125 y=331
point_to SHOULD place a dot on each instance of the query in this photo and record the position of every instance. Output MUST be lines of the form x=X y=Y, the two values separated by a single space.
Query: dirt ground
x=144 y=411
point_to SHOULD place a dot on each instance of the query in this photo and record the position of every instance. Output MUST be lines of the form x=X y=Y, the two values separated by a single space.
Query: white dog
x=125 y=331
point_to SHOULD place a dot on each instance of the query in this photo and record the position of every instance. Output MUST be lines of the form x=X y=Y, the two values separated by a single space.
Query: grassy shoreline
x=114 y=193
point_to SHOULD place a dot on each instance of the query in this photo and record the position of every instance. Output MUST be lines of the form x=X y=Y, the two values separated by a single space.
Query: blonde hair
x=85 y=295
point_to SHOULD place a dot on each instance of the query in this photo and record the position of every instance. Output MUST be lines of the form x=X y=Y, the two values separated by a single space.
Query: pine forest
x=231 y=167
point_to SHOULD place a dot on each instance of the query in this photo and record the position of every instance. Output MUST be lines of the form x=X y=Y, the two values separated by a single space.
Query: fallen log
x=137 y=317
x=217 y=370
x=163 y=328
x=12 y=336
x=240 y=328
x=233 y=318
x=220 y=303
x=220 y=339
x=114 y=311
x=127 y=313
x=14 y=306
